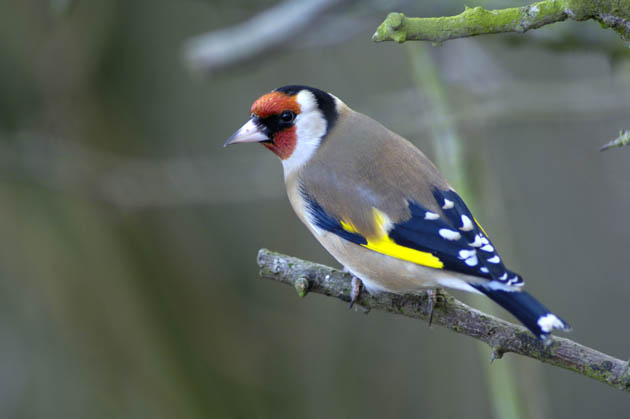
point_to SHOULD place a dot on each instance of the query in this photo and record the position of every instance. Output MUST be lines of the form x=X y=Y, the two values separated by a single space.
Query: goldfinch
x=379 y=205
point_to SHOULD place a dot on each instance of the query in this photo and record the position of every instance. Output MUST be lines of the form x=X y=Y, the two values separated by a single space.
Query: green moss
x=534 y=345
x=598 y=371
x=476 y=21
x=584 y=9
x=624 y=380
x=603 y=367
x=301 y=287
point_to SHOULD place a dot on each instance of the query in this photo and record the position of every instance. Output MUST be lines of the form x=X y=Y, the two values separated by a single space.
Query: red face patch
x=274 y=103
x=284 y=143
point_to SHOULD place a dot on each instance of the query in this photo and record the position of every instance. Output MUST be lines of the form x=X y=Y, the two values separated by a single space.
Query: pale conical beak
x=249 y=133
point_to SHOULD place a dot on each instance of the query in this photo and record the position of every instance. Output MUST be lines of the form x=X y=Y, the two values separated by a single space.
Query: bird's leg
x=432 y=300
x=356 y=290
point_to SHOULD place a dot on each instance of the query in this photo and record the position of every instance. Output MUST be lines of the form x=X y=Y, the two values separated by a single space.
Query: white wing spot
x=484 y=240
x=503 y=277
x=448 y=204
x=467 y=225
x=550 y=321
x=449 y=234
x=431 y=216
x=494 y=259
x=472 y=261
x=484 y=270
x=477 y=242
x=488 y=248
x=465 y=254
x=497 y=285
x=513 y=281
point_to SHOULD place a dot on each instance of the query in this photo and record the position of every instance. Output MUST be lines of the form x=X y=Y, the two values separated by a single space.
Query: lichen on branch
x=500 y=335
x=475 y=21
x=622 y=140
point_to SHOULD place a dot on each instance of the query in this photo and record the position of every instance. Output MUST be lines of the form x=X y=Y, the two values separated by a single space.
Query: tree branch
x=620 y=141
x=397 y=27
x=270 y=29
x=502 y=336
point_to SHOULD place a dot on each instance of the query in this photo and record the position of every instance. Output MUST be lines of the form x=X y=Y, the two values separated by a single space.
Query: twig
x=623 y=139
x=270 y=29
x=502 y=336
x=479 y=21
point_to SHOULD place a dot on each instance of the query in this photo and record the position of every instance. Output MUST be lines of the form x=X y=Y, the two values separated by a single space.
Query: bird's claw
x=432 y=301
x=355 y=291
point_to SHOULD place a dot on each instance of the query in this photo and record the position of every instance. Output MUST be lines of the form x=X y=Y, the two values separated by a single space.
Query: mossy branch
x=502 y=336
x=397 y=27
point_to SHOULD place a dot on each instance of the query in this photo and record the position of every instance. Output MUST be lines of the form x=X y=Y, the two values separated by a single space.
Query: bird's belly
x=377 y=271
x=381 y=272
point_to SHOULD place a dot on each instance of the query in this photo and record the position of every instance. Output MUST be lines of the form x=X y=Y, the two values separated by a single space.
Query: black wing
x=455 y=239
x=459 y=241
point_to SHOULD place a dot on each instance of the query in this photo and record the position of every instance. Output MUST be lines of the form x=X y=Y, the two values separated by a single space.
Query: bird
x=380 y=207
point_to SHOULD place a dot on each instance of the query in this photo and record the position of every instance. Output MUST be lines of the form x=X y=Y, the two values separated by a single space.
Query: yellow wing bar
x=382 y=243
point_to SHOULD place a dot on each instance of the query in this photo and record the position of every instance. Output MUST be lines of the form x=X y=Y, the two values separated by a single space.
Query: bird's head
x=291 y=121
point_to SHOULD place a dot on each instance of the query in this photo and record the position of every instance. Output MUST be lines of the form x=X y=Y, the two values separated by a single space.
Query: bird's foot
x=432 y=295
x=355 y=291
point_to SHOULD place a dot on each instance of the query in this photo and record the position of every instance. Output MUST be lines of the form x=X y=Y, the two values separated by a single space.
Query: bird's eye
x=287 y=116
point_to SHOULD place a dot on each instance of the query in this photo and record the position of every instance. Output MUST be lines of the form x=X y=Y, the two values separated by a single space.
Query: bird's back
x=350 y=176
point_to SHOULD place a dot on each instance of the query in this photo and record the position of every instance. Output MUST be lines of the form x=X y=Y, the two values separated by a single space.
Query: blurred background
x=128 y=234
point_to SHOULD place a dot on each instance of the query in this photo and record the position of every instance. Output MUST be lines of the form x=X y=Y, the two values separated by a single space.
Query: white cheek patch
x=311 y=127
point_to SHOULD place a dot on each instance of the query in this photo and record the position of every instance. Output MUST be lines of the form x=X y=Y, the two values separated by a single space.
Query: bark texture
x=502 y=336
x=614 y=14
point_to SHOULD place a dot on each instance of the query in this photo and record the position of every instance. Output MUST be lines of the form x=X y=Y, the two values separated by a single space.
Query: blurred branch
x=500 y=335
x=133 y=183
x=139 y=183
x=270 y=29
x=572 y=42
x=397 y=27
x=623 y=139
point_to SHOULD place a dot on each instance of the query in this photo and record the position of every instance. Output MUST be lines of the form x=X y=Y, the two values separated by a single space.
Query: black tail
x=535 y=316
